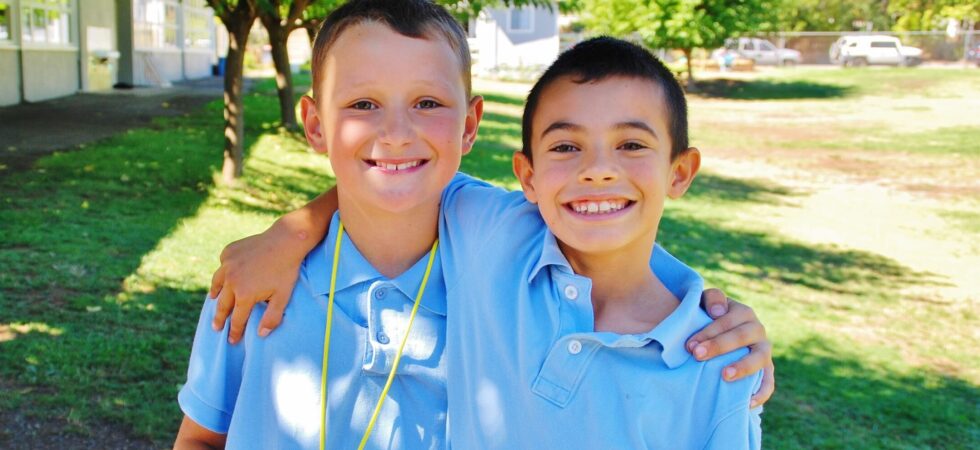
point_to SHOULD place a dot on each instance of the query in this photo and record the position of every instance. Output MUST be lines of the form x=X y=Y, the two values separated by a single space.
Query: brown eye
x=428 y=104
x=563 y=148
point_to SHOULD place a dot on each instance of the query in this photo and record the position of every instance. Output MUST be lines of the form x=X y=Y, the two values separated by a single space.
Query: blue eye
x=428 y=104
x=564 y=148
x=364 y=105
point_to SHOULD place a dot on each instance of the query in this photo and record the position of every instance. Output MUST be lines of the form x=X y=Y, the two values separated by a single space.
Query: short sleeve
x=214 y=375
x=740 y=429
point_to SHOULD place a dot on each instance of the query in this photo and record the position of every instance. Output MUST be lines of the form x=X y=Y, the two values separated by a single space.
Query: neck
x=391 y=242
x=627 y=297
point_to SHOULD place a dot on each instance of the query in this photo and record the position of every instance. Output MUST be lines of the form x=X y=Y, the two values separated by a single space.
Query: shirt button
x=382 y=338
x=571 y=292
x=379 y=294
x=574 y=347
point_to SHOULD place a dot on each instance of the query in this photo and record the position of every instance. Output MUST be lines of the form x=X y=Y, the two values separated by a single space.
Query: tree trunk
x=234 y=103
x=688 y=53
x=284 y=76
x=312 y=26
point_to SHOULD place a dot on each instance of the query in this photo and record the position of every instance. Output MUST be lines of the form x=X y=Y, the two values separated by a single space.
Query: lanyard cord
x=326 y=343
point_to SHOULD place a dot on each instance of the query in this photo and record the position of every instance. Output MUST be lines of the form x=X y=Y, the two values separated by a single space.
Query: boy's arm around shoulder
x=265 y=266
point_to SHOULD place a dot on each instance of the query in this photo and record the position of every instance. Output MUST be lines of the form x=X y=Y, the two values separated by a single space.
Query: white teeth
x=603 y=207
x=397 y=167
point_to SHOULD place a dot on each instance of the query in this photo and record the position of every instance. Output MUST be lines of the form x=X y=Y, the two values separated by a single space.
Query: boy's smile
x=393 y=115
x=602 y=165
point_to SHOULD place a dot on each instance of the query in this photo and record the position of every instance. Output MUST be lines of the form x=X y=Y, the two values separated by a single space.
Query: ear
x=524 y=172
x=311 y=125
x=682 y=172
x=474 y=113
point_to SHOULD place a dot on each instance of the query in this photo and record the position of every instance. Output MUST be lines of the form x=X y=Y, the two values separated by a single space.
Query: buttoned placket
x=381 y=346
x=573 y=351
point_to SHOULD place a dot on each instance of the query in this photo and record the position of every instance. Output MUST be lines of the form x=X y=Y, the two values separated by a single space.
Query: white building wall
x=497 y=46
x=197 y=63
x=9 y=76
x=50 y=74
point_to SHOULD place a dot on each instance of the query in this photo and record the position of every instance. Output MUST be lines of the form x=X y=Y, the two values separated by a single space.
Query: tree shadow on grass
x=79 y=348
x=829 y=398
x=760 y=256
x=710 y=186
x=769 y=90
x=491 y=157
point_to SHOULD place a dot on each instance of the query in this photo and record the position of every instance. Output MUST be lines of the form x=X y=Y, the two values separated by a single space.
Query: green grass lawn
x=107 y=252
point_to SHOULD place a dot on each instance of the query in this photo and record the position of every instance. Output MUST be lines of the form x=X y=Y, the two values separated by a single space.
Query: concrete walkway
x=33 y=130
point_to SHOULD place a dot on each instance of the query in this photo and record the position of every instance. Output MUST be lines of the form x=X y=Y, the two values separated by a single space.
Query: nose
x=396 y=130
x=600 y=167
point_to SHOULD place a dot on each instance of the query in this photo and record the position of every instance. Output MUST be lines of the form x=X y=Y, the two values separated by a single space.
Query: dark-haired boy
x=571 y=332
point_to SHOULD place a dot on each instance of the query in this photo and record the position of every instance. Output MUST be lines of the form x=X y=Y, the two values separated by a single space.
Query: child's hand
x=735 y=326
x=265 y=266
x=252 y=270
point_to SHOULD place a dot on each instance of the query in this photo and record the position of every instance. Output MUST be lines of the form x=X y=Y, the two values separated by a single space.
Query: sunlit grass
x=107 y=253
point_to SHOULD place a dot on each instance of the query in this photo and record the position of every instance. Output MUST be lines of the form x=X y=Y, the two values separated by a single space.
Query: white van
x=864 y=50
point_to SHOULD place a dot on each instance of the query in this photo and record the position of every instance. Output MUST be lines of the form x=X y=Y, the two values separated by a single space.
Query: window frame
x=67 y=12
x=11 y=32
x=530 y=21
x=203 y=12
x=156 y=30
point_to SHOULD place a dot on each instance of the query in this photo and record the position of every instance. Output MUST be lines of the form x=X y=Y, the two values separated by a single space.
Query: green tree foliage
x=834 y=15
x=879 y=15
x=913 y=15
x=678 y=24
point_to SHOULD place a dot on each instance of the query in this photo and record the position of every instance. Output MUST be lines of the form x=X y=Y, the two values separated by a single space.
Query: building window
x=521 y=19
x=5 y=21
x=155 y=23
x=198 y=21
x=46 y=21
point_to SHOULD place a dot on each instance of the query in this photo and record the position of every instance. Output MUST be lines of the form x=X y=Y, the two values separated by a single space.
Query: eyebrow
x=638 y=125
x=568 y=126
x=561 y=125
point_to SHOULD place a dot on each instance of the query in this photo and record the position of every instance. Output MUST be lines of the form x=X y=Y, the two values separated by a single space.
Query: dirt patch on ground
x=19 y=429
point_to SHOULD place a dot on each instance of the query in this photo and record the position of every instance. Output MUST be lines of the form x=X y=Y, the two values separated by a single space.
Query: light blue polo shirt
x=526 y=368
x=265 y=392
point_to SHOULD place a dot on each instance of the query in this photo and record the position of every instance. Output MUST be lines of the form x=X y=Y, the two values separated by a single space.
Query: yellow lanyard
x=326 y=343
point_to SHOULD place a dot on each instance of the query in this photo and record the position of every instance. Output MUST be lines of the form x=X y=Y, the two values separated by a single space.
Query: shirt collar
x=680 y=280
x=672 y=333
x=550 y=255
x=355 y=269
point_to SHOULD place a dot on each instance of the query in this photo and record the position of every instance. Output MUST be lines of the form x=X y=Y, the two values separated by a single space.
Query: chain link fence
x=814 y=47
x=936 y=46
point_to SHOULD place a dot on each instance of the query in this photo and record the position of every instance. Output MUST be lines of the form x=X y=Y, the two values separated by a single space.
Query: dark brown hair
x=599 y=58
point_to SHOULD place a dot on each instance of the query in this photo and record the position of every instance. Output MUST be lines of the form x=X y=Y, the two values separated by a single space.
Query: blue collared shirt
x=526 y=368
x=265 y=392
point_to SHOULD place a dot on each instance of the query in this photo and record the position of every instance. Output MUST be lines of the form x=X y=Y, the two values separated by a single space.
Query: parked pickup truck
x=856 y=51
x=761 y=51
